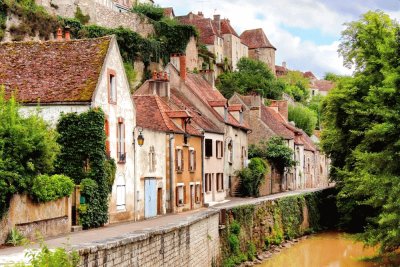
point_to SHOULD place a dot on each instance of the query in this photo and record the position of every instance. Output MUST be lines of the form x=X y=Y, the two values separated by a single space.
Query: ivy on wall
x=253 y=228
x=82 y=157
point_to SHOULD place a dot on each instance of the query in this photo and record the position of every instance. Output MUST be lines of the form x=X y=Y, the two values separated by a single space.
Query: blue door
x=150 y=198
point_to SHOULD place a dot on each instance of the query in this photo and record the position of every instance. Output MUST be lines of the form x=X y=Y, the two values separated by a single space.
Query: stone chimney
x=217 y=19
x=284 y=64
x=281 y=106
x=209 y=76
x=67 y=33
x=59 y=35
x=159 y=84
x=179 y=61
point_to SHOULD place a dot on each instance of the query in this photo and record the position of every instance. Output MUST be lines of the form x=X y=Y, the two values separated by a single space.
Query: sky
x=306 y=33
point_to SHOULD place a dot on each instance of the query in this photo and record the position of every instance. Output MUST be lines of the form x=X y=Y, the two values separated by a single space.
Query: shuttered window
x=208 y=148
x=192 y=160
x=121 y=155
x=179 y=160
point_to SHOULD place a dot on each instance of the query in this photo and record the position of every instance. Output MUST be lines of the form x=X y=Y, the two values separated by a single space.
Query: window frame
x=180 y=188
x=121 y=144
x=219 y=145
x=192 y=161
x=112 y=86
x=179 y=164
x=207 y=149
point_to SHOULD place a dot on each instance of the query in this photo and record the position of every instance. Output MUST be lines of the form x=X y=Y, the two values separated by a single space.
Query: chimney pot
x=154 y=75
x=59 y=34
x=67 y=33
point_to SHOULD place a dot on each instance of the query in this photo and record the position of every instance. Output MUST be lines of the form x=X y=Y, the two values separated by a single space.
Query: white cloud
x=274 y=16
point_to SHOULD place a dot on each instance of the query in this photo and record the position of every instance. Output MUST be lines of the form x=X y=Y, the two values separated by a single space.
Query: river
x=330 y=249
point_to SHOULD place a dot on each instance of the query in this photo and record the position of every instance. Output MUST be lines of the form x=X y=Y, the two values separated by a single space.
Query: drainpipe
x=171 y=174
x=202 y=166
x=135 y=215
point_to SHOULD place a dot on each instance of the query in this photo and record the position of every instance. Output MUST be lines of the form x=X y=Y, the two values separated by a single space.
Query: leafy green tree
x=303 y=117
x=296 y=85
x=315 y=104
x=28 y=148
x=252 y=177
x=361 y=130
x=252 y=77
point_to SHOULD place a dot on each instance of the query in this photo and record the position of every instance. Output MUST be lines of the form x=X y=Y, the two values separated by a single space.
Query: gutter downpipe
x=202 y=167
x=171 y=175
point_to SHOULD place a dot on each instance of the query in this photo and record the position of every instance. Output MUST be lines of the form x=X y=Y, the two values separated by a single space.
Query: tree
x=361 y=130
x=28 y=148
x=296 y=85
x=252 y=77
x=252 y=177
x=315 y=104
x=304 y=118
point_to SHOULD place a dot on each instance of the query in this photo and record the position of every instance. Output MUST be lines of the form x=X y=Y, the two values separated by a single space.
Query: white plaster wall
x=123 y=108
x=213 y=165
x=158 y=141
x=299 y=175
x=51 y=113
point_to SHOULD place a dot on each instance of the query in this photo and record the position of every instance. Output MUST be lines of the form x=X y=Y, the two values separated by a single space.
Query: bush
x=47 y=188
x=151 y=11
x=252 y=177
x=304 y=118
x=15 y=238
x=84 y=19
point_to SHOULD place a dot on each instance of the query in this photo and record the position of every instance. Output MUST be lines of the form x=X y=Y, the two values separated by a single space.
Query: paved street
x=116 y=231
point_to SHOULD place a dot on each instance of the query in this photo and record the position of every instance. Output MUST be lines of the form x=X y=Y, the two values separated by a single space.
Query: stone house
x=200 y=90
x=260 y=47
x=234 y=49
x=321 y=87
x=178 y=129
x=74 y=76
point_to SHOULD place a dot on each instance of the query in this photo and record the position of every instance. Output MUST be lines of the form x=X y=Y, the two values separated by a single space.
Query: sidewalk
x=116 y=231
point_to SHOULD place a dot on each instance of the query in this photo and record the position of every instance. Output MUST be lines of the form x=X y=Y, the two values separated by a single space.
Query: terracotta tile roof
x=169 y=12
x=309 y=74
x=151 y=114
x=217 y=103
x=207 y=94
x=226 y=28
x=207 y=29
x=308 y=143
x=178 y=114
x=272 y=119
x=235 y=107
x=256 y=38
x=323 y=85
x=53 y=71
x=181 y=102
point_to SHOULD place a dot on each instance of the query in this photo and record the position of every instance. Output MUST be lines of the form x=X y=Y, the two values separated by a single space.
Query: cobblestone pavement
x=115 y=231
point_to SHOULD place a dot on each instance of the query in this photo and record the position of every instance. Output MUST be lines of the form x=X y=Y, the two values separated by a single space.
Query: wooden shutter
x=221 y=144
x=217 y=148
x=177 y=196
x=182 y=161
x=184 y=194
x=107 y=130
x=194 y=160
x=176 y=159
x=123 y=140
x=189 y=160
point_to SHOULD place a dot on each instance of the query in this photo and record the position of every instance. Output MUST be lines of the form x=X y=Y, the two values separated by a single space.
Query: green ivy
x=82 y=139
x=151 y=11
x=252 y=177
x=84 y=19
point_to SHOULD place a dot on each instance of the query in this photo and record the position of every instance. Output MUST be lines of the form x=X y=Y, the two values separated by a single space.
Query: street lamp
x=140 y=138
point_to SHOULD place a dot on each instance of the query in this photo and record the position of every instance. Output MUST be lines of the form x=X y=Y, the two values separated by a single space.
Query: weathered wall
x=50 y=218
x=192 y=243
x=100 y=14
x=266 y=55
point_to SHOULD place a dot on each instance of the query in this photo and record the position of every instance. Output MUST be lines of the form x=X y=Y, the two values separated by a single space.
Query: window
x=230 y=152
x=120 y=192
x=112 y=87
x=220 y=149
x=220 y=182
x=107 y=131
x=179 y=160
x=121 y=155
x=180 y=195
x=244 y=157
x=198 y=194
x=209 y=149
x=207 y=187
x=152 y=160
x=192 y=160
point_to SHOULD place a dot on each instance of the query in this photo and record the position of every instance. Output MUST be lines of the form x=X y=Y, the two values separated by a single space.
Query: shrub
x=151 y=11
x=304 y=118
x=15 y=238
x=252 y=177
x=47 y=188
x=84 y=19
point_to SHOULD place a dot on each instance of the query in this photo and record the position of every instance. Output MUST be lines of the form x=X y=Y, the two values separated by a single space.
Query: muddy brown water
x=330 y=249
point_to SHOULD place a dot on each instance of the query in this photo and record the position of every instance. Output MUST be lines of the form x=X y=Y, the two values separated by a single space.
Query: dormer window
x=112 y=87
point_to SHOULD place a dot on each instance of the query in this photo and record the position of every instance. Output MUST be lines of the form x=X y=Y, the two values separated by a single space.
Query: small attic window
x=112 y=87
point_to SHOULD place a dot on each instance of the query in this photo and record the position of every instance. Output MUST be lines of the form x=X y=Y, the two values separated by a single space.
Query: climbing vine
x=83 y=157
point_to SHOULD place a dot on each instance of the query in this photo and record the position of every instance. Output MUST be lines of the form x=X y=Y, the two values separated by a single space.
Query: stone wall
x=191 y=243
x=50 y=218
x=100 y=14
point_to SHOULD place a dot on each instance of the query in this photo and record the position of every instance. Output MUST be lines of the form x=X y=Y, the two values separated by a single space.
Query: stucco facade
x=266 y=55
x=151 y=157
x=234 y=50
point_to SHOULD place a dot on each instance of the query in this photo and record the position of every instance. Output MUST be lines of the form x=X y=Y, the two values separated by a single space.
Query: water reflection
x=322 y=250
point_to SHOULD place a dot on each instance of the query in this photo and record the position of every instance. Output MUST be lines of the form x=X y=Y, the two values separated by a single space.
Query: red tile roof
x=323 y=85
x=235 y=107
x=180 y=101
x=217 y=103
x=53 y=71
x=206 y=27
x=308 y=143
x=178 y=114
x=226 y=28
x=169 y=12
x=272 y=119
x=256 y=38
x=309 y=74
x=208 y=94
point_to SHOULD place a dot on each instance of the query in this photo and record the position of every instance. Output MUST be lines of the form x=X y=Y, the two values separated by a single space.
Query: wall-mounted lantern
x=140 y=138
